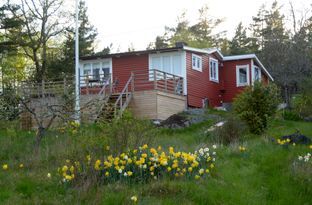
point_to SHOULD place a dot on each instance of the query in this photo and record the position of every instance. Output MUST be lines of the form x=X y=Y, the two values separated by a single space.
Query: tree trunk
x=39 y=136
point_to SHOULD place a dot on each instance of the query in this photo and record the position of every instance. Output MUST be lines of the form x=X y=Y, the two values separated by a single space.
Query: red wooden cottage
x=162 y=82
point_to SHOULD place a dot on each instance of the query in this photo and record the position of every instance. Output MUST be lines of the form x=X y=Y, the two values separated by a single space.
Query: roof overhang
x=205 y=51
x=248 y=56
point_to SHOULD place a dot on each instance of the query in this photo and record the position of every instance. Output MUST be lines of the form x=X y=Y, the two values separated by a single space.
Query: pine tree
x=87 y=35
x=240 y=43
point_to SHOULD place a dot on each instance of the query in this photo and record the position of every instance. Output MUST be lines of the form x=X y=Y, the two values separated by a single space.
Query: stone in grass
x=176 y=121
x=297 y=138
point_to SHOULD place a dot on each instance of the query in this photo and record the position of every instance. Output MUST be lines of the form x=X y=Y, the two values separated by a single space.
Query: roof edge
x=249 y=56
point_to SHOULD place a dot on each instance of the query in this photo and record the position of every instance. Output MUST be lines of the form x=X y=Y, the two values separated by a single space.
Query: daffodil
x=65 y=168
x=134 y=199
x=201 y=171
x=129 y=173
x=5 y=167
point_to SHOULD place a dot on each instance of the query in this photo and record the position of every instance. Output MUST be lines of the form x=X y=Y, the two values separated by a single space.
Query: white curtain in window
x=176 y=65
x=167 y=64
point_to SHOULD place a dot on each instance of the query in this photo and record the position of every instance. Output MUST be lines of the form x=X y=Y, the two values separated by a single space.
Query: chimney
x=180 y=44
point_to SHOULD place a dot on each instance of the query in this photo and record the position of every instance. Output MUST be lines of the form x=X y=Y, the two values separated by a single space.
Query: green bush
x=9 y=101
x=256 y=104
x=302 y=103
x=291 y=115
x=232 y=131
x=128 y=132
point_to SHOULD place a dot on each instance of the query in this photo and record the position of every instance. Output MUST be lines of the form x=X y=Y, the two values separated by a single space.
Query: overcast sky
x=138 y=22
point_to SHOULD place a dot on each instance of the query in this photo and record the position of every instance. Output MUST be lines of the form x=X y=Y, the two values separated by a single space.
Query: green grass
x=264 y=174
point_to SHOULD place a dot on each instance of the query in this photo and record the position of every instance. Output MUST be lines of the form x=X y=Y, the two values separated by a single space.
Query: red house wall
x=264 y=78
x=124 y=65
x=199 y=86
x=228 y=76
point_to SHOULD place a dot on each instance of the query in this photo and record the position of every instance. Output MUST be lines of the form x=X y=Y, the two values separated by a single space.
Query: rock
x=175 y=121
x=308 y=119
x=219 y=124
x=297 y=138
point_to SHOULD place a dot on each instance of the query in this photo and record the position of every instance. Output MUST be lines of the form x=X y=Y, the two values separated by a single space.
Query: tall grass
x=264 y=174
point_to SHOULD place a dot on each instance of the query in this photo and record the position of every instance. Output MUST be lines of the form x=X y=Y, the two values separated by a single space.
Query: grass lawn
x=266 y=173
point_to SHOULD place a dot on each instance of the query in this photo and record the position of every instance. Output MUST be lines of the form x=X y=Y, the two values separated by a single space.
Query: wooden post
x=43 y=89
x=87 y=83
x=174 y=84
x=64 y=84
x=155 y=80
x=132 y=82
x=182 y=84
x=165 y=76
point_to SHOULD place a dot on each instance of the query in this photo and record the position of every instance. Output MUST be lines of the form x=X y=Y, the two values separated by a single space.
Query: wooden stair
x=107 y=113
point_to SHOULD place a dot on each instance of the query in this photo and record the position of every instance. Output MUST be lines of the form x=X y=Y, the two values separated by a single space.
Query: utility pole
x=77 y=74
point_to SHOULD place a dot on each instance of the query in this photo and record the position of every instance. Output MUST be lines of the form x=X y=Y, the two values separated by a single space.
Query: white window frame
x=238 y=83
x=197 y=67
x=212 y=78
x=101 y=62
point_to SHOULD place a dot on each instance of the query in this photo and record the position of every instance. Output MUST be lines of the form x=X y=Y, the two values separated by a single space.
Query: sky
x=136 y=23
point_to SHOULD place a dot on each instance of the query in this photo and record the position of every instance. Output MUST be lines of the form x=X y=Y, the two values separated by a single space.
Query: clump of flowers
x=134 y=199
x=71 y=127
x=305 y=158
x=143 y=164
x=5 y=166
x=68 y=171
x=283 y=142
x=242 y=148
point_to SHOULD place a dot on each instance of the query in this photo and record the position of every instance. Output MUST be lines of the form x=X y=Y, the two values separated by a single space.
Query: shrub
x=291 y=115
x=9 y=102
x=128 y=132
x=256 y=104
x=302 y=103
x=232 y=130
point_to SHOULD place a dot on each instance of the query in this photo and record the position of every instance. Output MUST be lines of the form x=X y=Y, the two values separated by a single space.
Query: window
x=256 y=74
x=169 y=62
x=96 y=71
x=242 y=75
x=86 y=70
x=196 y=62
x=105 y=69
x=213 y=70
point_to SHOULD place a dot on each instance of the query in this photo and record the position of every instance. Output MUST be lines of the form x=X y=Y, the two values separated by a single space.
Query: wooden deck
x=151 y=95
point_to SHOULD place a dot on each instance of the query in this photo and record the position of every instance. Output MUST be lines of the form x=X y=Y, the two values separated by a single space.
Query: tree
x=64 y=63
x=240 y=43
x=12 y=62
x=199 y=35
x=41 y=20
x=202 y=31
x=285 y=54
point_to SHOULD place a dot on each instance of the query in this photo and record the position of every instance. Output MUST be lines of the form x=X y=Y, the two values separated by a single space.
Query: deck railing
x=124 y=98
x=46 y=88
x=93 y=82
x=158 y=80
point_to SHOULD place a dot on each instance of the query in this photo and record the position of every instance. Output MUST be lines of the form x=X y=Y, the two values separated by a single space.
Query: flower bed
x=141 y=165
